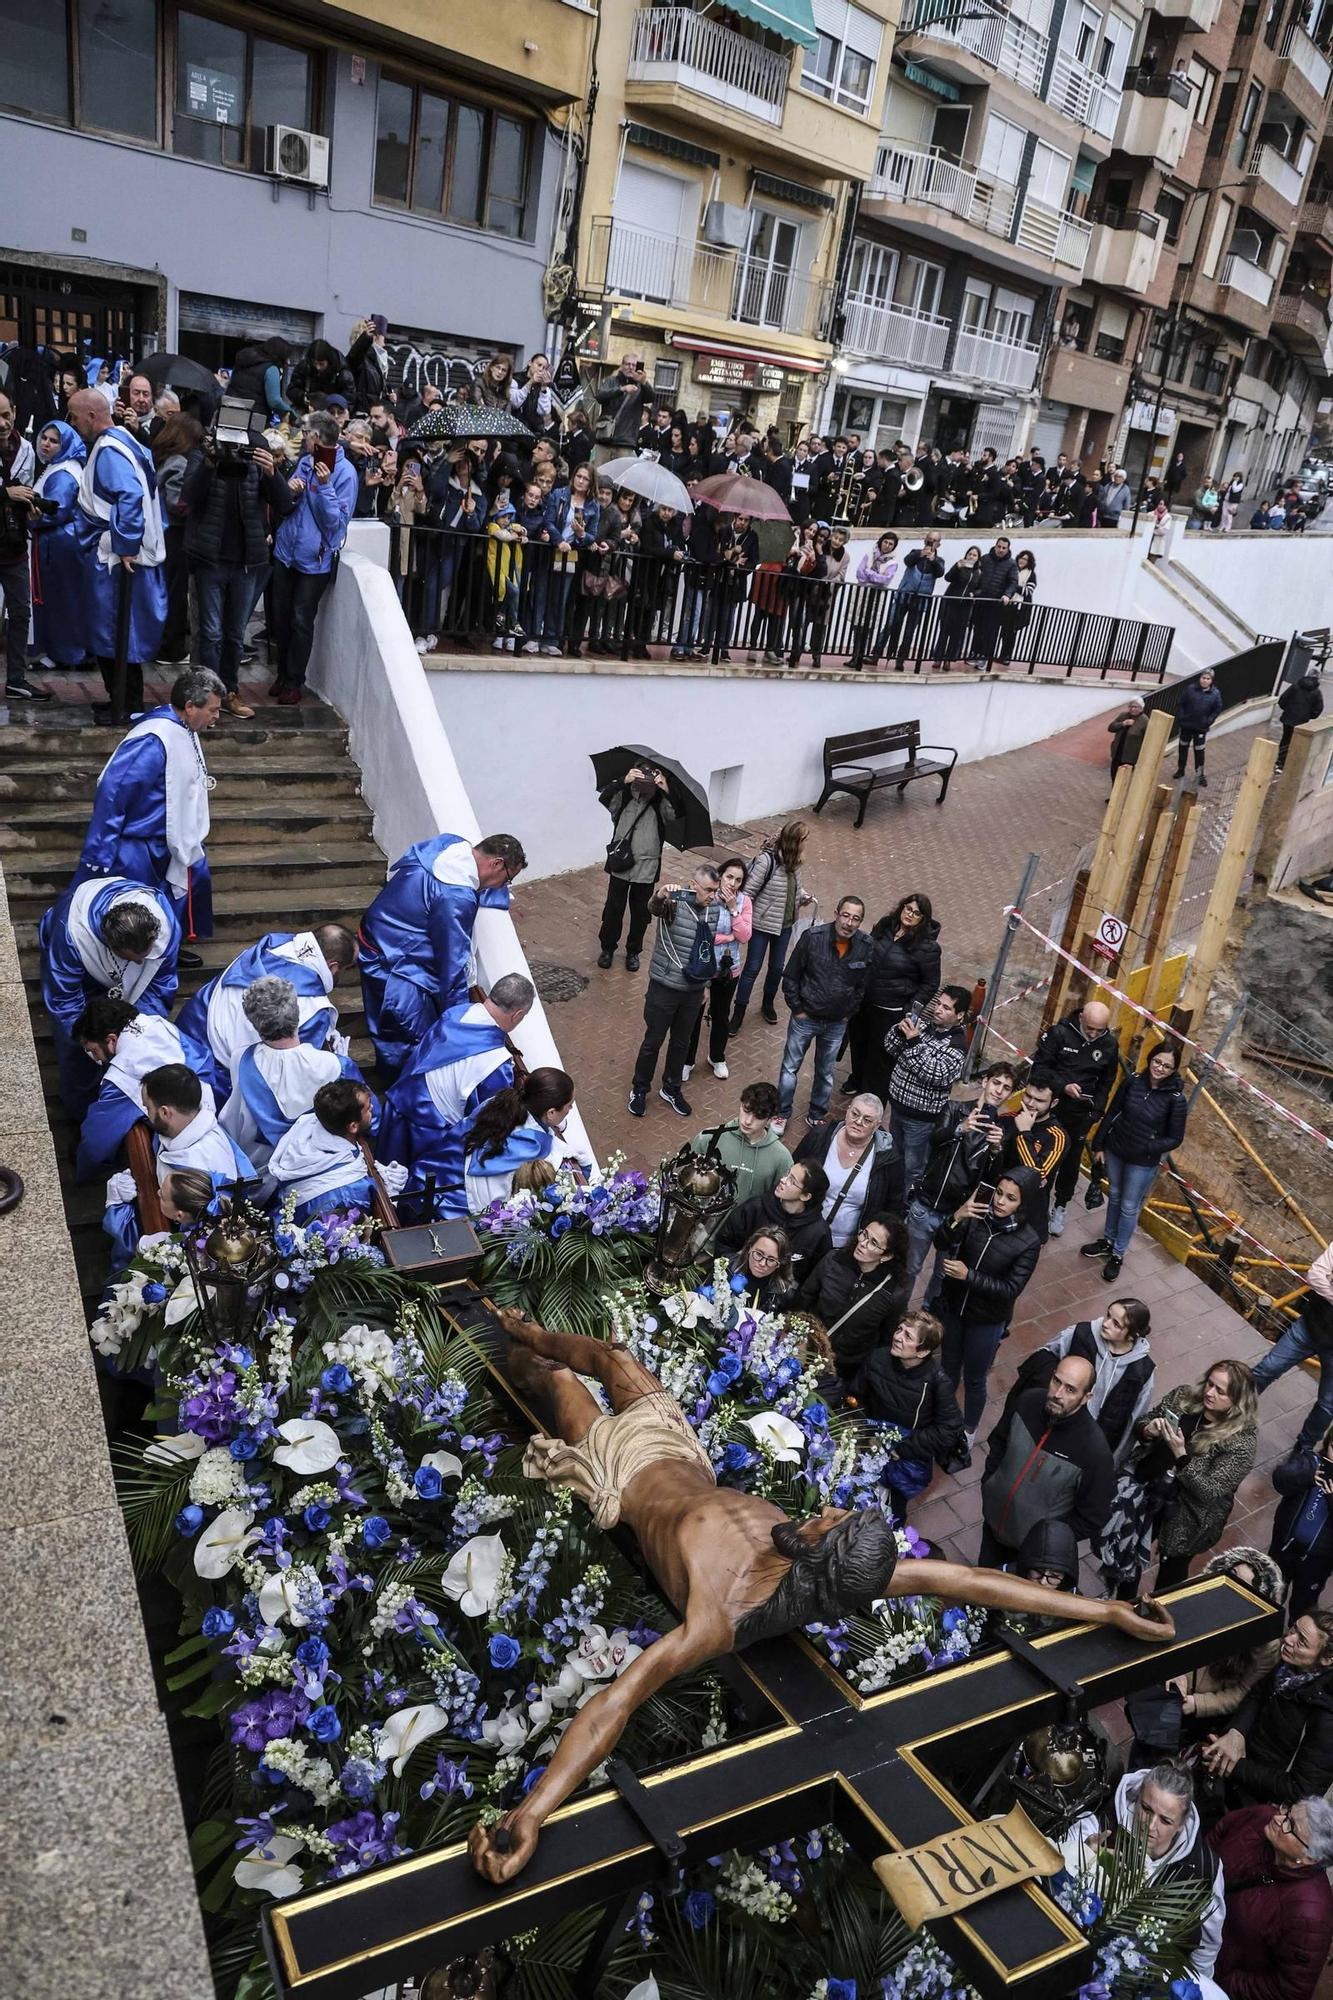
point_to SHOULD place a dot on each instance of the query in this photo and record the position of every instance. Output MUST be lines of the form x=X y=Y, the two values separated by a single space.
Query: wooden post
x=1140 y=890
x=1121 y=831
x=1066 y=977
x=1228 y=882
x=1068 y=937
x=1175 y=872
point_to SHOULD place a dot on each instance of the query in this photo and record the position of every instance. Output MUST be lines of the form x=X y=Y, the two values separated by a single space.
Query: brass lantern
x=233 y=1266
x=696 y=1190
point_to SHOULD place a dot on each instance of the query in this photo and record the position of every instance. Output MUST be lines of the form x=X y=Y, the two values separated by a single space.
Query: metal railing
x=980 y=199
x=475 y=592
x=895 y=333
x=1243 y=276
x=1308 y=58
x=710 y=58
x=724 y=284
x=996 y=37
x=1281 y=175
x=1240 y=678
x=1012 y=364
x=1082 y=95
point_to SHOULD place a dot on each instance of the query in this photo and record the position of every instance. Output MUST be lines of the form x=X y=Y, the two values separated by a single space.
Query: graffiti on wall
x=447 y=362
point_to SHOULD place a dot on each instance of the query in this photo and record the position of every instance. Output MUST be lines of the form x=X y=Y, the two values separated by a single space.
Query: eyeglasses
x=864 y=1236
x=1288 y=1825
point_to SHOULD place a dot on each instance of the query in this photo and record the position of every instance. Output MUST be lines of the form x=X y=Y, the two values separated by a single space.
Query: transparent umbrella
x=651 y=481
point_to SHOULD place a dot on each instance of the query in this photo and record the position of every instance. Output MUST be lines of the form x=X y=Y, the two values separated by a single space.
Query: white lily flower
x=567 y=1684
x=645 y=1990
x=508 y=1729
x=311 y=1446
x=472 y=1576
x=224 y=1542
x=445 y=1464
x=279 y=1599
x=174 y=1450
x=784 y=1439
x=405 y=1730
x=183 y=1301
x=273 y=1873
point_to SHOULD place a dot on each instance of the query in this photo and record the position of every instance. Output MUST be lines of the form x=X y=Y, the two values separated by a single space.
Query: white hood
x=312 y=1162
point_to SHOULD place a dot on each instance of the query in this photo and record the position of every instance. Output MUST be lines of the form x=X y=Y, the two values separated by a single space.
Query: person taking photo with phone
x=305 y=548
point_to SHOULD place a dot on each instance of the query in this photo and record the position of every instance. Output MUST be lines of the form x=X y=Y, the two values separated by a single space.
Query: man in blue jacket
x=823 y=983
x=325 y=485
x=415 y=939
x=1198 y=709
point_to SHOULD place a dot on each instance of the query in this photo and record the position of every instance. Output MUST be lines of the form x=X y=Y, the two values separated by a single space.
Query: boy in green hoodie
x=747 y=1144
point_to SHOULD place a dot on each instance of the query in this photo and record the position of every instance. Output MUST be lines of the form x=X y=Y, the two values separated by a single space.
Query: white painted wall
x=755 y=743
x=365 y=664
x=1277 y=583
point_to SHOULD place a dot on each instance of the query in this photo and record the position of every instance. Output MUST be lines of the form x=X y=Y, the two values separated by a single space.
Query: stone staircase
x=291 y=846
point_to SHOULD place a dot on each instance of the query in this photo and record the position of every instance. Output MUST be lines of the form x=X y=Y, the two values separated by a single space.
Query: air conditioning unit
x=298 y=156
x=727 y=223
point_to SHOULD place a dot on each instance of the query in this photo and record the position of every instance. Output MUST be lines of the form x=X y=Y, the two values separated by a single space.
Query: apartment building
x=186 y=174
x=996 y=122
x=725 y=151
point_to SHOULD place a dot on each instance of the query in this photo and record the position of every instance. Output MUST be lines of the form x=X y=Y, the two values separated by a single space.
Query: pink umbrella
x=732 y=493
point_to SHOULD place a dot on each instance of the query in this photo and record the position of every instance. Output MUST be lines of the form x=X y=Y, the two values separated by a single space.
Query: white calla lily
x=783 y=1438
x=645 y=1990
x=271 y=1871
x=472 y=1576
x=279 y=1599
x=311 y=1446
x=405 y=1730
x=224 y=1542
x=183 y=1301
x=174 y=1450
x=445 y=1464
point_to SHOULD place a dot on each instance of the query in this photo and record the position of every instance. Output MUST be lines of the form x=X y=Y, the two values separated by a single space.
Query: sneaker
x=721 y=1071
x=511 y=645
x=777 y=1126
x=676 y=1101
x=1111 y=1268
x=1057 y=1222
x=1100 y=1248
x=687 y=1071
x=498 y=643
x=631 y=961
x=551 y=652
x=638 y=1102
x=531 y=646
x=608 y=958
x=423 y=645
x=25 y=691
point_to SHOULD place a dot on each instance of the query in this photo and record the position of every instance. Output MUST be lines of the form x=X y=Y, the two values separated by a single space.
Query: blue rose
x=717 y=1385
x=316 y=1517
x=244 y=1445
x=1185 y=1989
x=817 y=1414
x=312 y=1653
x=738 y=1282
x=699 y=1908
x=504 y=1651
x=561 y=1224
x=840 y=1989
x=428 y=1482
x=323 y=1724
x=736 y=1458
x=190 y=1520
x=952 y=1619
x=337 y=1379
x=375 y=1531
x=217 y=1624
x=728 y=1365
x=153 y=1293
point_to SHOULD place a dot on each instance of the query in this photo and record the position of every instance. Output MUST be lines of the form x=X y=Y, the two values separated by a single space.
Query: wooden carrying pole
x=1228 y=882
x=1170 y=888
x=1090 y=881
x=1122 y=831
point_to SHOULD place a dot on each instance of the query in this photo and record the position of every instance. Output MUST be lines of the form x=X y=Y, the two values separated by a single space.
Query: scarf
x=146 y=1044
x=204 y=1145
x=187 y=783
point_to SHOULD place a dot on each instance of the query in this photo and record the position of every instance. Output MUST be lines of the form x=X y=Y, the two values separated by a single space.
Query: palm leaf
x=547 y=1965
x=150 y=1497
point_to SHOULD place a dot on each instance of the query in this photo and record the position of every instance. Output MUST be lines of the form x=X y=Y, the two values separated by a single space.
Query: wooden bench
x=851 y=763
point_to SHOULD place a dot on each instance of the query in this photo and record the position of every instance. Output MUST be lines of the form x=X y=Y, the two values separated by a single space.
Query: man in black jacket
x=822 y=983
x=1079 y=1058
x=964 y=1150
x=997 y=581
x=1301 y=701
x=795 y=1203
x=624 y=399
x=903 y=1384
x=230 y=502
x=1046 y=1459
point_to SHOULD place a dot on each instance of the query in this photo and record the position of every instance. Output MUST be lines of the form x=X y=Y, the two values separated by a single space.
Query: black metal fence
x=1240 y=678
x=474 y=589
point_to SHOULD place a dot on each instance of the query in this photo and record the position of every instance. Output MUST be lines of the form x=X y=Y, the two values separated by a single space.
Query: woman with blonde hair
x=773 y=884
x=1180 y=1482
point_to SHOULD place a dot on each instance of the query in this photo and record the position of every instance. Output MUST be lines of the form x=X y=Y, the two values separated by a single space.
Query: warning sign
x=1110 y=939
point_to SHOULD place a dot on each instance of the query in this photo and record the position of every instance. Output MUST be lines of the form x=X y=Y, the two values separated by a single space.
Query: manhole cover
x=557 y=982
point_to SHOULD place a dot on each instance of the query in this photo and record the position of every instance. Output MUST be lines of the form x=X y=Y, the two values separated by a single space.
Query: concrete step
x=240 y=917
x=49 y=822
x=258 y=776
x=345 y=869
x=68 y=729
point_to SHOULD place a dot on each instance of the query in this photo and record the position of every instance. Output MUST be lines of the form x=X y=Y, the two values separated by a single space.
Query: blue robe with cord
x=114 y=482
x=68 y=985
x=59 y=626
x=112 y=1112
x=356 y=1194
x=461 y=1063
x=127 y=834
x=265 y=1113
x=261 y=961
x=415 y=943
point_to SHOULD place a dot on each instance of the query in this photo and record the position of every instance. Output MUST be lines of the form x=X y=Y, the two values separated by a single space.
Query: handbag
x=598 y=583
x=620 y=853
x=1156 y=1715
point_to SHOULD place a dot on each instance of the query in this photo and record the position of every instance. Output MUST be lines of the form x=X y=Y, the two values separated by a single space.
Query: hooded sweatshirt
x=1189 y=1858
x=1123 y=1390
x=808 y=1233
x=756 y=1163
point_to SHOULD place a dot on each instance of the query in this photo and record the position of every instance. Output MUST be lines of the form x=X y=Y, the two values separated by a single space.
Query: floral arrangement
x=559 y=1253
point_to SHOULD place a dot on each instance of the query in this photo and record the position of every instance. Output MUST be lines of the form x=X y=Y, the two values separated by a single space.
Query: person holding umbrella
x=651 y=800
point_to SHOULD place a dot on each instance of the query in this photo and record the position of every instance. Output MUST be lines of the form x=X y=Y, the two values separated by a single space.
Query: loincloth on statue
x=615 y=1450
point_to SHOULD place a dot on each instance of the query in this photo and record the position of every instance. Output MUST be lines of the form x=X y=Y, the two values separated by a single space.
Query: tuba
x=914 y=480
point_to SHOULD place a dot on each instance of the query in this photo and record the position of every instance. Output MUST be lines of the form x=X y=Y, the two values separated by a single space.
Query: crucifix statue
x=733 y=1564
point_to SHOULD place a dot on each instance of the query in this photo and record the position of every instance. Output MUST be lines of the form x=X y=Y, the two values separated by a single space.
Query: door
x=766 y=281
x=652 y=235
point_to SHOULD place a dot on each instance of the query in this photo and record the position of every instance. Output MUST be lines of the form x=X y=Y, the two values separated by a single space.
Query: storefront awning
x=794 y=20
x=796 y=362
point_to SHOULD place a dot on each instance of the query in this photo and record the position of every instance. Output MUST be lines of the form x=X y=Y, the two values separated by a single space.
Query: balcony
x=1304 y=73
x=961 y=36
x=700 y=278
x=1302 y=318
x=1238 y=274
x=939 y=187
x=895 y=333
x=1199 y=15
x=674 y=45
x=1006 y=364
x=1317 y=216
x=1155 y=116
x=1285 y=178
x=1125 y=248
x=1082 y=95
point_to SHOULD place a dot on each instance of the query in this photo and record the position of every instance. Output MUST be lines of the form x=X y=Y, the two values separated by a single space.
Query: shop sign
x=1141 y=416
x=729 y=371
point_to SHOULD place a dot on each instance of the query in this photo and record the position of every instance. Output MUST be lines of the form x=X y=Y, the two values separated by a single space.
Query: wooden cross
x=889 y=1770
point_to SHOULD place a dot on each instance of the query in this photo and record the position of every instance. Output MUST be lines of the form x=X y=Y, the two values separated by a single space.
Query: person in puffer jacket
x=903 y=1384
x=1279 y=1903
x=1143 y=1123
x=988 y=1253
x=1197 y=710
x=1046 y=1460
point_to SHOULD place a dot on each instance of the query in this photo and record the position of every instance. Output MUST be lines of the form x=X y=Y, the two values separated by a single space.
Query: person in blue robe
x=514 y=1129
x=464 y=1060
x=416 y=937
x=277 y=1080
x=58 y=628
x=114 y=937
x=312 y=960
x=186 y=1134
x=319 y=1160
x=150 y=813
x=125 y=1045
x=119 y=534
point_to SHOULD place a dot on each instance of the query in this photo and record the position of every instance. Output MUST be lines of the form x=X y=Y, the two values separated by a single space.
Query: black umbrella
x=471 y=420
x=177 y=371
x=686 y=794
